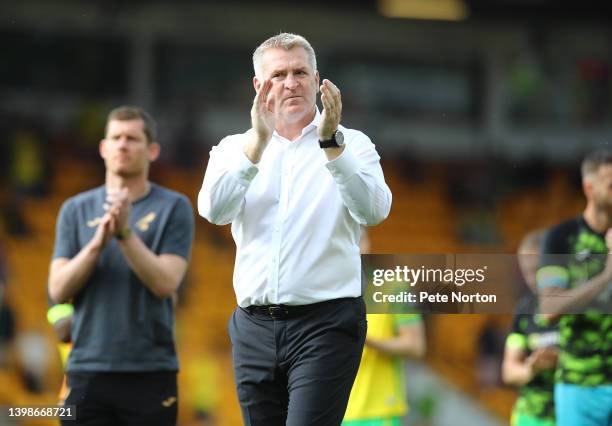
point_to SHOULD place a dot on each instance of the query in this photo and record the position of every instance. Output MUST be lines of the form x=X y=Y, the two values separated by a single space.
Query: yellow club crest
x=144 y=223
x=94 y=222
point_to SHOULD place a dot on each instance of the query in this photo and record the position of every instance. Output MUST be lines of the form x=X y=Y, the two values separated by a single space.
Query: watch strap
x=123 y=234
x=329 y=143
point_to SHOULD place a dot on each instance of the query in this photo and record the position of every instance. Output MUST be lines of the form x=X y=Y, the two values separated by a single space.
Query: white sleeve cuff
x=343 y=166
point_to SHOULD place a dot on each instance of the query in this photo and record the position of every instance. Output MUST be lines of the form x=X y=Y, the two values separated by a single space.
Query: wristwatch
x=124 y=234
x=336 y=141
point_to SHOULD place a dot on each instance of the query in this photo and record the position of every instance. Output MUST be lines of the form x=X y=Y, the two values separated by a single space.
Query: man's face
x=125 y=149
x=294 y=82
x=601 y=188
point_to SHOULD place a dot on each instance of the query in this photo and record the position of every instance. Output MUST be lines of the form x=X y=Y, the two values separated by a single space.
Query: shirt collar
x=310 y=126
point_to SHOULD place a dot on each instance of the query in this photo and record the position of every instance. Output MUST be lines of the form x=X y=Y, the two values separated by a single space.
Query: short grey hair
x=594 y=161
x=285 y=41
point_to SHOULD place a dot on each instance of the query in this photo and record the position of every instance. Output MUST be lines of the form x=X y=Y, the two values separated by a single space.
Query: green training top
x=573 y=253
x=529 y=333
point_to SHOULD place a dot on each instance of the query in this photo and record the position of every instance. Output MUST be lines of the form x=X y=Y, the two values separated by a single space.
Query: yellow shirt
x=379 y=389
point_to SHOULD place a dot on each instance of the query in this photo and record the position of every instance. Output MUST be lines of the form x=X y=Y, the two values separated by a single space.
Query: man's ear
x=154 y=151
x=256 y=84
x=318 y=80
x=587 y=188
x=101 y=147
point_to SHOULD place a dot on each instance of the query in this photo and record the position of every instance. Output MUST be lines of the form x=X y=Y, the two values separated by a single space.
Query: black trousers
x=297 y=371
x=123 y=399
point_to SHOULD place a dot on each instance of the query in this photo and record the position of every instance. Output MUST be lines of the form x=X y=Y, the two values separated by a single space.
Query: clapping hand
x=103 y=232
x=119 y=206
x=262 y=120
x=332 y=110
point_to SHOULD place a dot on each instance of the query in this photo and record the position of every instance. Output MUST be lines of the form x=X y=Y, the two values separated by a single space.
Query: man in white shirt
x=296 y=187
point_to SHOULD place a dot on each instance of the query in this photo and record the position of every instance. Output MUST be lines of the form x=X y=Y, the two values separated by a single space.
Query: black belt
x=286 y=311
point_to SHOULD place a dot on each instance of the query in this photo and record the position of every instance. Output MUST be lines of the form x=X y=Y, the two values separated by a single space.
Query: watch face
x=339 y=136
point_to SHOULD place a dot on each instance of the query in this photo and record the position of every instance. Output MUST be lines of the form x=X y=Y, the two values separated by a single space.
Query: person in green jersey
x=574 y=282
x=531 y=349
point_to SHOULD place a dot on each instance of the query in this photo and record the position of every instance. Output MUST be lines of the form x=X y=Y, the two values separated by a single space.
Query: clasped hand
x=118 y=207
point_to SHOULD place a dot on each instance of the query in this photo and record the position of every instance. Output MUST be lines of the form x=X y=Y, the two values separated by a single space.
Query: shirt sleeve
x=178 y=234
x=517 y=338
x=227 y=178
x=58 y=312
x=361 y=182
x=402 y=320
x=553 y=270
x=66 y=241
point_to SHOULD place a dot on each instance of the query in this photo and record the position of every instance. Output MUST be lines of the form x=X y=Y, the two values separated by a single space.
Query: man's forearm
x=398 y=347
x=333 y=153
x=156 y=275
x=67 y=279
x=555 y=303
x=255 y=148
x=516 y=373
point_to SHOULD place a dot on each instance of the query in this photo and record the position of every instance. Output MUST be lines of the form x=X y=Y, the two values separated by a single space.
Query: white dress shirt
x=295 y=216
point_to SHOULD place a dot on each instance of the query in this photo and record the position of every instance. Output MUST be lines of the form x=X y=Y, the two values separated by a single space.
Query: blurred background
x=480 y=109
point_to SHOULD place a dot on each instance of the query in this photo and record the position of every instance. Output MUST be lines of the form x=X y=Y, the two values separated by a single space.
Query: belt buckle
x=277 y=312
